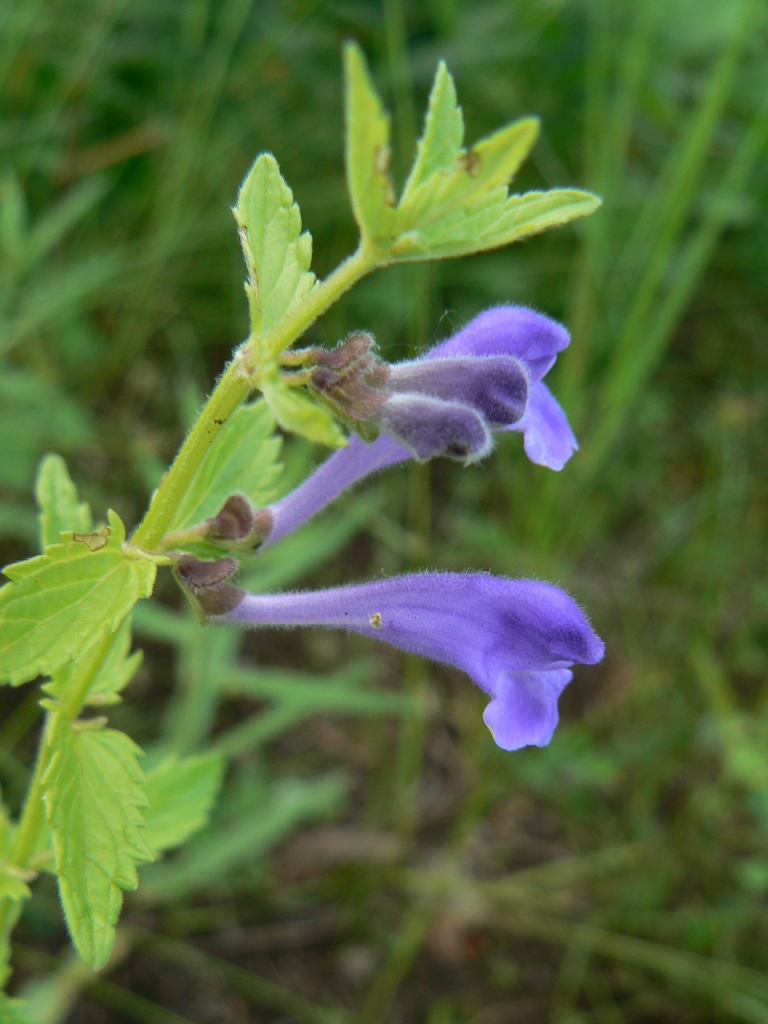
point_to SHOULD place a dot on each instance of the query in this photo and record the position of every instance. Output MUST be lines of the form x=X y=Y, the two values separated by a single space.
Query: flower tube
x=517 y=639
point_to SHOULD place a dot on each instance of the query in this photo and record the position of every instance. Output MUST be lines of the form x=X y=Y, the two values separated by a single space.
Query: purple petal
x=523 y=711
x=509 y=331
x=549 y=440
x=497 y=386
x=342 y=470
x=429 y=427
x=503 y=633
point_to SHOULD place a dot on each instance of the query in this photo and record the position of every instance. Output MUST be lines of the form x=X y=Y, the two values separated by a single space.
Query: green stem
x=27 y=835
x=236 y=383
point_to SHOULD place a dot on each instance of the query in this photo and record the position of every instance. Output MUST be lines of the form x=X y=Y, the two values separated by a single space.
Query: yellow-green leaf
x=439 y=148
x=367 y=151
x=12 y=887
x=13 y=1011
x=296 y=412
x=492 y=222
x=181 y=795
x=113 y=674
x=94 y=799
x=278 y=255
x=60 y=508
x=244 y=459
x=58 y=604
x=456 y=200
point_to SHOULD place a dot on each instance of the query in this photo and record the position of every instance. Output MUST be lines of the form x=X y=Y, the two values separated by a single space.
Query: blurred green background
x=375 y=858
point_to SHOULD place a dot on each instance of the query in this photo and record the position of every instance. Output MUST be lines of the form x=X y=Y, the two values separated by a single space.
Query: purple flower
x=535 y=340
x=488 y=376
x=516 y=638
x=441 y=406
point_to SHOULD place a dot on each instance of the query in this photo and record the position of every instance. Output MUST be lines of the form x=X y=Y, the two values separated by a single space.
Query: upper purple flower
x=487 y=377
x=516 y=638
x=535 y=340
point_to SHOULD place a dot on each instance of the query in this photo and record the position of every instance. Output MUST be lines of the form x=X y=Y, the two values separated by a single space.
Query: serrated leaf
x=367 y=151
x=112 y=676
x=278 y=255
x=61 y=602
x=456 y=201
x=476 y=175
x=60 y=509
x=243 y=460
x=440 y=146
x=494 y=222
x=181 y=795
x=295 y=411
x=94 y=798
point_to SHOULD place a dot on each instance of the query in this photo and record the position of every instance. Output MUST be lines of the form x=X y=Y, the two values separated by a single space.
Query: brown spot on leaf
x=96 y=540
x=470 y=162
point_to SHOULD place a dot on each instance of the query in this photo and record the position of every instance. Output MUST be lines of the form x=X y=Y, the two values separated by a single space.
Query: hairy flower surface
x=516 y=638
x=485 y=378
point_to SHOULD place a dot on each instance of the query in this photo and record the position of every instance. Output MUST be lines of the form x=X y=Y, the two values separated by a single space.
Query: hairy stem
x=236 y=383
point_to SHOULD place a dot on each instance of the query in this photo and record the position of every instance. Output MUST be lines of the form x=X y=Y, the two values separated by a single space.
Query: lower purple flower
x=516 y=638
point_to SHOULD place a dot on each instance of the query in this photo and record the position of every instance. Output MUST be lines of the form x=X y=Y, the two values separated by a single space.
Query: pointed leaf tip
x=95 y=800
x=276 y=252
x=367 y=151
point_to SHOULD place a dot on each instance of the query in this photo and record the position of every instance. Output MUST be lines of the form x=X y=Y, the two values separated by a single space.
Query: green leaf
x=440 y=146
x=298 y=413
x=491 y=222
x=13 y=1011
x=278 y=255
x=94 y=796
x=456 y=201
x=12 y=886
x=113 y=675
x=181 y=795
x=367 y=151
x=60 y=510
x=243 y=460
x=58 y=604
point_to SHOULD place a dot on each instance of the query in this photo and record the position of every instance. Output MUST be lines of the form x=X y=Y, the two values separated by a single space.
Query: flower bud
x=351 y=376
x=429 y=427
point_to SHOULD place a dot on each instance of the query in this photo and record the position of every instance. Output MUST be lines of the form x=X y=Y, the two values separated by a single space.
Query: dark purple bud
x=219 y=600
x=207 y=586
x=234 y=521
x=429 y=427
x=496 y=386
x=199 y=575
x=238 y=526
